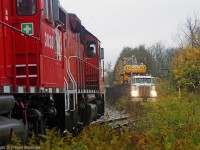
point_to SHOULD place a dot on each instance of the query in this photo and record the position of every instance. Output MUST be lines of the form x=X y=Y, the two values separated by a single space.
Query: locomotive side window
x=26 y=7
x=48 y=10
x=91 y=49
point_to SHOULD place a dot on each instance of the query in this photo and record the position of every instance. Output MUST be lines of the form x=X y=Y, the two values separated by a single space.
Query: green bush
x=121 y=104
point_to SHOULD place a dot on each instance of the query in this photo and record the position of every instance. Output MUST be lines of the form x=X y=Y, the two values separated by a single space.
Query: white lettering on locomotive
x=48 y=40
x=58 y=44
x=6 y=15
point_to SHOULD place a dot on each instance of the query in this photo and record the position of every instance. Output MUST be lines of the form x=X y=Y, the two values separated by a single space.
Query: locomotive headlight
x=153 y=94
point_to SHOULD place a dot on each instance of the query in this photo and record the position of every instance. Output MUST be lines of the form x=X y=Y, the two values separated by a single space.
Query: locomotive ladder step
x=24 y=76
x=24 y=65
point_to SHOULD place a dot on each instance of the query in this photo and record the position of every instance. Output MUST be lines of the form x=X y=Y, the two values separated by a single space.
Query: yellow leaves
x=15 y=141
x=186 y=68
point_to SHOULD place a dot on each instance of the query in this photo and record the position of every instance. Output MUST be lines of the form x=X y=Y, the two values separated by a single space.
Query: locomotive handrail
x=84 y=61
x=7 y=25
x=94 y=67
x=66 y=100
x=37 y=60
x=26 y=60
x=80 y=60
x=73 y=83
x=14 y=61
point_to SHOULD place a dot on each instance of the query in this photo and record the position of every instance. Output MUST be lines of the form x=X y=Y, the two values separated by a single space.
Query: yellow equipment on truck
x=130 y=68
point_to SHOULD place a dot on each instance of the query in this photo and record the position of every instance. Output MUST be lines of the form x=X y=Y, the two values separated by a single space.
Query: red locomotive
x=51 y=69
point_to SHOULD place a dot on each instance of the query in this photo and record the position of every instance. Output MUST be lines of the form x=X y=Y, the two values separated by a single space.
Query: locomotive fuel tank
x=8 y=125
x=7 y=103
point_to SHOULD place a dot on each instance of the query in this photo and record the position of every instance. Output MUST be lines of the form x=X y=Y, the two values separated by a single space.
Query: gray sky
x=120 y=23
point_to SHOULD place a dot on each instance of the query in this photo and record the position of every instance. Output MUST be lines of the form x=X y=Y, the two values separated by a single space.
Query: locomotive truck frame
x=51 y=69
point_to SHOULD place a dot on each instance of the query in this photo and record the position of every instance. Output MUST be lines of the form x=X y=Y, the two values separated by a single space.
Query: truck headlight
x=153 y=94
x=134 y=93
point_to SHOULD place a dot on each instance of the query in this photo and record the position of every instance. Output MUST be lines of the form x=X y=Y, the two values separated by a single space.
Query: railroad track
x=117 y=122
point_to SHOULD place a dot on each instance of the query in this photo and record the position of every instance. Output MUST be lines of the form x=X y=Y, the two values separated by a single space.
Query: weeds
x=168 y=123
x=171 y=122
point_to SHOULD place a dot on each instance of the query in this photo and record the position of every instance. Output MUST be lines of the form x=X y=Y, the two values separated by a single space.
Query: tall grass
x=170 y=122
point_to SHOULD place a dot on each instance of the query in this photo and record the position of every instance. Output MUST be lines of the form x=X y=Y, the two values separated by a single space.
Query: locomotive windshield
x=26 y=7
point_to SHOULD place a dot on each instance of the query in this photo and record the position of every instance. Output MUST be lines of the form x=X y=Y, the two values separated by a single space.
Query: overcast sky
x=120 y=23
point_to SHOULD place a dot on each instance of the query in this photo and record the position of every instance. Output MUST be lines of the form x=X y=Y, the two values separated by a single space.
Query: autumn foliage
x=168 y=123
x=186 y=69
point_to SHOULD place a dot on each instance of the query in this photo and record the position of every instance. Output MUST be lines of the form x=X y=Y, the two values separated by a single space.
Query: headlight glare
x=153 y=93
x=134 y=93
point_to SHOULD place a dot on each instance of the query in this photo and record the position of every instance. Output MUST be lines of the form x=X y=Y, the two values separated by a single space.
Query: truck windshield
x=143 y=80
x=26 y=7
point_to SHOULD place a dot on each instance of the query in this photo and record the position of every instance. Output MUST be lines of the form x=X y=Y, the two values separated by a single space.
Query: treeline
x=156 y=58
x=180 y=65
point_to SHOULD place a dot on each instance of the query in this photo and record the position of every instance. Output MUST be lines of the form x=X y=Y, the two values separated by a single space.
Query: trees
x=162 y=57
x=186 y=69
x=185 y=64
x=109 y=78
x=193 y=32
x=189 y=34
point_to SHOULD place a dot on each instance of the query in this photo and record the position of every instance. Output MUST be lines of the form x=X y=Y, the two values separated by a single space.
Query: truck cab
x=143 y=88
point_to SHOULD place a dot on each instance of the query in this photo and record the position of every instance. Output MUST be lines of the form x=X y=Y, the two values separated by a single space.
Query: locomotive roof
x=72 y=14
x=92 y=35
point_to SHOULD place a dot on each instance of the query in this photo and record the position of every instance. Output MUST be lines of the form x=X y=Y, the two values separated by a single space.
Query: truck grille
x=144 y=91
